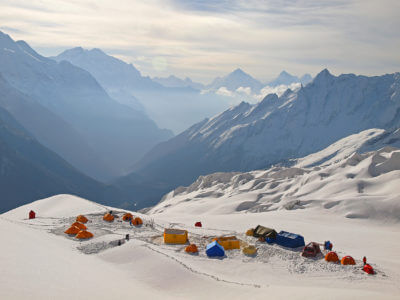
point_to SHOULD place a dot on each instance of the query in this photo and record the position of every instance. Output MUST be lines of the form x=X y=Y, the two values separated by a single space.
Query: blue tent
x=215 y=249
x=290 y=240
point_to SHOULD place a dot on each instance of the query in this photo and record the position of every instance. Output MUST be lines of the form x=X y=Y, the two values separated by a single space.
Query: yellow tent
x=83 y=234
x=79 y=225
x=250 y=250
x=108 y=217
x=175 y=236
x=228 y=242
x=81 y=218
x=72 y=230
x=250 y=232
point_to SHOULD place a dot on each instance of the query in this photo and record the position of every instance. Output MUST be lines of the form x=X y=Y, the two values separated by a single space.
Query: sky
x=205 y=39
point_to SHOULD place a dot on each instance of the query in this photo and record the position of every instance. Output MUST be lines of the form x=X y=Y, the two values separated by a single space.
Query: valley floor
x=39 y=261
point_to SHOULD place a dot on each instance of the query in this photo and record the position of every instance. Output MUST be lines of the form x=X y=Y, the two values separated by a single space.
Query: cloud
x=223 y=91
x=205 y=39
x=279 y=90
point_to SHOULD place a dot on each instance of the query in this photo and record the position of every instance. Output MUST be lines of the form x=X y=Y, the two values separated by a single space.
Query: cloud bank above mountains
x=204 y=39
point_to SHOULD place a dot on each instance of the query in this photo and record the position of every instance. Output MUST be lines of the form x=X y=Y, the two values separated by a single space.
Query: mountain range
x=128 y=86
x=277 y=129
x=115 y=132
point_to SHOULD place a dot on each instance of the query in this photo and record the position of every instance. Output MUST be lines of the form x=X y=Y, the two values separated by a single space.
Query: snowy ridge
x=336 y=179
x=276 y=130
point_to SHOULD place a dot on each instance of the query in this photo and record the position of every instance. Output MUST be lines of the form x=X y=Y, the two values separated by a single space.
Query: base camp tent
x=332 y=257
x=250 y=250
x=79 y=225
x=261 y=231
x=108 y=217
x=192 y=248
x=127 y=217
x=214 y=249
x=82 y=219
x=83 y=234
x=290 y=240
x=175 y=236
x=228 y=242
x=348 y=260
x=73 y=230
x=137 y=221
x=311 y=250
x=32 y=214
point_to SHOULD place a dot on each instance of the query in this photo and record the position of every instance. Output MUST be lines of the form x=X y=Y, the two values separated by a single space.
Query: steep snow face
x=248 y=137
x=336 y=180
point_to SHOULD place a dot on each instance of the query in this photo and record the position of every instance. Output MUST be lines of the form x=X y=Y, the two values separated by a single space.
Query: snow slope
x=37 y=249
x=337 y=180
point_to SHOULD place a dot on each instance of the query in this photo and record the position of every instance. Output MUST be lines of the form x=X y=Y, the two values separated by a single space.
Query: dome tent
x=137 y=221
x=73 y=230
x=348 y=260
x=83 y=234
x=127 y=217
x=108 y=217
x=192 y=248
x=311 y=250
x=332 y=257
x=79 y=225
x=82 y=219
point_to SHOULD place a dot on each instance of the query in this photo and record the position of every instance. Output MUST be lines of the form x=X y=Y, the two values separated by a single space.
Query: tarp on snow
x=290 y=240
x=261 y=231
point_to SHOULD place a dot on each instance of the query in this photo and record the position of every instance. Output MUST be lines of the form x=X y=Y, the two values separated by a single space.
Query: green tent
x=261 y=231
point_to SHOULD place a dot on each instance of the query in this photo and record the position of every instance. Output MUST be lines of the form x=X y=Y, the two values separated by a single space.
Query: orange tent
x=108 y=217
x=72 y=230
x=79 y=225
x=348 y=260
x=83 y=234
x=137 y=221
x=81 y=218
x=332 y=257
x=192 y=248
x=127 y=217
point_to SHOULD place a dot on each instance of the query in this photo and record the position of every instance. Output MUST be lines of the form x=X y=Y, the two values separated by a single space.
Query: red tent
x=197 y=224
x=32 y=214
x=311 y=250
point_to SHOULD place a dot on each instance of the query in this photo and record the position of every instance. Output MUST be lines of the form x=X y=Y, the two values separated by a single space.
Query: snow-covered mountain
x=341 y=179
x=248 y=137
x=117 y=132
x=284 y=78
x=117 y=77
x=235 y=80
x=124 y=83
x=176 y=82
